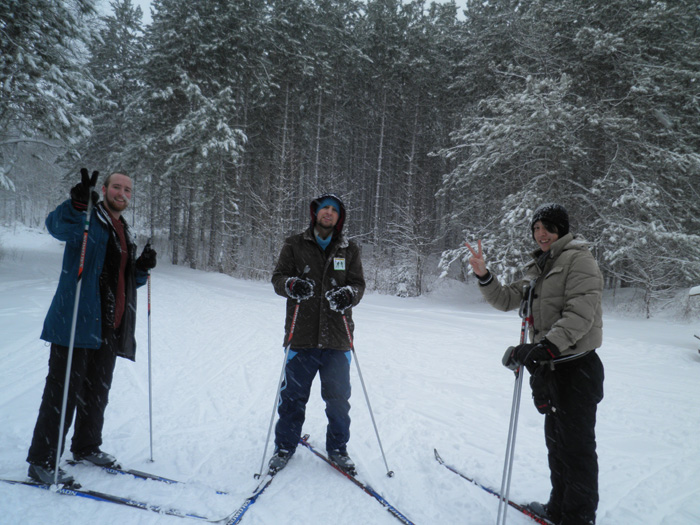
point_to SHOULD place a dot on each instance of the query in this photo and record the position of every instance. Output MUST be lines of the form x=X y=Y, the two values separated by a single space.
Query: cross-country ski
x=518 y=506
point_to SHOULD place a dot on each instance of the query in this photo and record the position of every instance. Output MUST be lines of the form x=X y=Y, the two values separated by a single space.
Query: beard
x=325 y=222
x=114 y=205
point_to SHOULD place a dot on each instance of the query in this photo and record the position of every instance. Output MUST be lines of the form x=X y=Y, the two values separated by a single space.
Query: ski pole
x=150 y=382
x=515 y=411
x=510 y=449
x=389 y=473
x=279 y=387
x=74 y=321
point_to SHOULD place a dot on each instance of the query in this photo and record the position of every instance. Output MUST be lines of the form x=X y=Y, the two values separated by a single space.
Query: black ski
x=517 y=506
x=366 y=488
x=119 y=470
x=101 y=496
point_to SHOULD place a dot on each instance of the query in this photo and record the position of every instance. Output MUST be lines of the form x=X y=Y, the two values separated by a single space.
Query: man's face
x=327 y=217
x=118 y=194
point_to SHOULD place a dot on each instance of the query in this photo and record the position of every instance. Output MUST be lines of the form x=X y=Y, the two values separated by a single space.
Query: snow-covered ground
x=432 y=367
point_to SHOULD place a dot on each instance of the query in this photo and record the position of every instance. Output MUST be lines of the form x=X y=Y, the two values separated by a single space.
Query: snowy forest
x=435 y=125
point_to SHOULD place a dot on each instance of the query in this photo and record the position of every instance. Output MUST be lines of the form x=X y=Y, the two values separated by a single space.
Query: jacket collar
x=103 y=214
x=106 y=219
x=338 y=240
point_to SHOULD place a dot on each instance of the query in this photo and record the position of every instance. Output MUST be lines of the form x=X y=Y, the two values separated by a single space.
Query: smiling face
x=326 y=219
x=543 y=237
x=117 y=193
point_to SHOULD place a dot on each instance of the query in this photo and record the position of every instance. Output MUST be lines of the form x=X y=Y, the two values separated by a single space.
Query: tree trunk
x=378 y=183
x=317 y=162
x=190 y=241
x=175 y=218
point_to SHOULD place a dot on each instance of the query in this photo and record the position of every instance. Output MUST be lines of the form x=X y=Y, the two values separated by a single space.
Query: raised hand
x=81 y=192
x=477 y=260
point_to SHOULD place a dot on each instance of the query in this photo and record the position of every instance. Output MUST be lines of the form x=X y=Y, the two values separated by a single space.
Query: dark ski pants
x=576 y=388
x=88 y=394
x=333 y=366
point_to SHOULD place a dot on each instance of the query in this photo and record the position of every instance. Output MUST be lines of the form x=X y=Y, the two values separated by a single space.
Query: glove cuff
x=350 y=293
x=485 y=279
x=550 y=348
x=289 y=283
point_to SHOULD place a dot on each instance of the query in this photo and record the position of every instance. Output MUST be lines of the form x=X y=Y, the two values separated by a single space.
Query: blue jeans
x=333 y=366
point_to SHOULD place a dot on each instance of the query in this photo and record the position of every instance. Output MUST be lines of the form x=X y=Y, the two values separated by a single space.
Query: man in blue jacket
x=105 y=321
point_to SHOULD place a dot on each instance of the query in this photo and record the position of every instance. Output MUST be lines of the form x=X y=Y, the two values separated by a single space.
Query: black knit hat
x=553 y=216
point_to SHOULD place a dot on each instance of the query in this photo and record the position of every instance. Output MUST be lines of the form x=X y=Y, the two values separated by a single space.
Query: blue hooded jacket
x=67 y=224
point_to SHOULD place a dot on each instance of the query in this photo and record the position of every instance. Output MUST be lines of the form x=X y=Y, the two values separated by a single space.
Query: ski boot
x=96 y=457
x=46 y=475
x=342 y=461
x=279 y=460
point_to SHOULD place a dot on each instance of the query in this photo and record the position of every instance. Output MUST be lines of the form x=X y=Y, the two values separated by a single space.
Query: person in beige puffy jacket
x=566 y=374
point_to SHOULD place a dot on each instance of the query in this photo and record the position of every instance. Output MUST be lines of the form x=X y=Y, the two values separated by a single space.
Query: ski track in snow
x=432 y=370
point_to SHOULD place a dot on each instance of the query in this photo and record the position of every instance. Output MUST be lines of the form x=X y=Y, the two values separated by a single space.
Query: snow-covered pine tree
x=42 y=80
x=582 y=106
x=115 y=59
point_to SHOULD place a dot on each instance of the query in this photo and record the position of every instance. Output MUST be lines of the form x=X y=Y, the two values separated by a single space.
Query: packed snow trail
x=433 y=371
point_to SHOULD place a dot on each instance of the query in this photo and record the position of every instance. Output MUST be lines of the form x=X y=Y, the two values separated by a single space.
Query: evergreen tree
x=192 y=114
x=42 y=77
x=586 y=115
x=114 y=61
x=235 y=113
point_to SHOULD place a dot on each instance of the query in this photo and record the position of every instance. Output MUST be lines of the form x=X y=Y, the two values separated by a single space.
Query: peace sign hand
x=477 y=260
x=81 y=192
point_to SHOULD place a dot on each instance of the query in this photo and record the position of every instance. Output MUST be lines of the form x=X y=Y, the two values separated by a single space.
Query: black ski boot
x=279 y=460
x=46 y=475
x=542 y=510
x=96 y=457
x=342 y=461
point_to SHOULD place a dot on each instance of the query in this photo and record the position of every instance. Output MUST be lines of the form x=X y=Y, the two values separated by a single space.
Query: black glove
x=340 y=298
x=543 y=405
x=529 y=354
x=147 y=259
x=540 y=390
x=298 y=288
x=79 y=193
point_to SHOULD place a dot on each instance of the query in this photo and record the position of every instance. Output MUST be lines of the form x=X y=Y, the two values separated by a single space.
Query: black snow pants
x=575 y=389
x=88 y=394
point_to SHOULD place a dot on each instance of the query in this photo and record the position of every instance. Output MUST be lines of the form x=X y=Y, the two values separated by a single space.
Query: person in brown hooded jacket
x=319 y=271
x=566 y=372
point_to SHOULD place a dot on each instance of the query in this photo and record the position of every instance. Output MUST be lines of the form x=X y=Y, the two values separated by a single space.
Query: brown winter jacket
x=317 y=326
x=566 y=305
